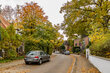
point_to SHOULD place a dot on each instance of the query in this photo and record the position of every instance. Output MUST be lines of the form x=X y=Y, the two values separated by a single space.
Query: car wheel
x=40 y=61
x=48 y=60
x=27 y=63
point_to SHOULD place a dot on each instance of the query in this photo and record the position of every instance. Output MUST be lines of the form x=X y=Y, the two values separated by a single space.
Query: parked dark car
x=36 y=56
x=63 y=51
x=67 y=52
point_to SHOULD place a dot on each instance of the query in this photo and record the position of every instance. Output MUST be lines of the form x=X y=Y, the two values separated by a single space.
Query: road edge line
x=73 y=65
x=70 y=70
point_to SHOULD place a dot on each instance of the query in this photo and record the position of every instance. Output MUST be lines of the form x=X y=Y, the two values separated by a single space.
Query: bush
x=41 y=44
x=10 y=54
x=88 y=45
x=62 y=47
x=101 y=47
x=84 y=51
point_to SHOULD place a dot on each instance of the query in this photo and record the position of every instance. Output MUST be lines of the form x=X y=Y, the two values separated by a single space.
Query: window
x=79 y=44
x=41 y=53
x=32 y=53
x=75 y=44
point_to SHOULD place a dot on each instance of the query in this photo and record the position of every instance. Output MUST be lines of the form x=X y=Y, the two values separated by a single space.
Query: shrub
x=41 y=44
x=62 y=47
x=88 y=44
x=84 y=51
x=10 y=53
x=101 y=47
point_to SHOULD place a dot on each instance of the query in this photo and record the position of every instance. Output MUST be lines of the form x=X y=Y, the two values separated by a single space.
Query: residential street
x=58 y=64
x=54 y=36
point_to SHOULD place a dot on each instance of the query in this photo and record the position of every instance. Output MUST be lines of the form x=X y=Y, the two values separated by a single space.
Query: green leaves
x=10 y=41
x=101 y=47
x=81 y=15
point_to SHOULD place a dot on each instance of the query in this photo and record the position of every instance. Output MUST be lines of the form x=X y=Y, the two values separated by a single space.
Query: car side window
x=41 y=53
x=45 y=53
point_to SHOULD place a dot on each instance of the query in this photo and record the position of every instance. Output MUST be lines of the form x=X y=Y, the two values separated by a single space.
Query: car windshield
x=33 y=53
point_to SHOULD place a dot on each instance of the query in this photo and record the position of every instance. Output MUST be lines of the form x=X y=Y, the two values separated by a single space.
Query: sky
x=50 y=7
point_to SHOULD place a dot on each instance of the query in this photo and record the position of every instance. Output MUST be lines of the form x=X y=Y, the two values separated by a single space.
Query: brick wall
x=78 y=43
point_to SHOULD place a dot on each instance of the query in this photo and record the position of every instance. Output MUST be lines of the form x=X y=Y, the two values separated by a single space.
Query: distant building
x=82 y=43
x=67 y=46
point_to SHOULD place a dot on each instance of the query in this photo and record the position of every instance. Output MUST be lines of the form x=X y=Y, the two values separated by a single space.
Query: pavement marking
x=70 y=70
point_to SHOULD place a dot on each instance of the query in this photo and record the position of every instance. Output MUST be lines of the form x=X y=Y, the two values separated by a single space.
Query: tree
x=8 y=13
x=81 y=15
x=31 y=15
x=102 y=48
x=10 y=41
x=38 y=32
x=59 y=38
x=91 y=18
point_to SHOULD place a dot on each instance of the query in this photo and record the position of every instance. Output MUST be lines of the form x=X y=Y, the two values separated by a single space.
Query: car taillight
x=36 y=57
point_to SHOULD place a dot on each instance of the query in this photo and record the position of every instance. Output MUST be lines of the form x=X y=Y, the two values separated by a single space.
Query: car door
x=46 y=56
x=42 y=56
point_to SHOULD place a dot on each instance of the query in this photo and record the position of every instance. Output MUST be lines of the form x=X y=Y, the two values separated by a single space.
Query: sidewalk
x=103 y=64
x=11 y=64
x=82 y=65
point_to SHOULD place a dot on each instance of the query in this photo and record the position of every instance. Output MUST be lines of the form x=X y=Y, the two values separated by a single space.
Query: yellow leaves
x=15 y=25
x=78 y=13
x=32 y=11
x=37 y=41
x=31 y=15
x=97 y=34
x=20 y=26
x=52 y=41
x=92 y=13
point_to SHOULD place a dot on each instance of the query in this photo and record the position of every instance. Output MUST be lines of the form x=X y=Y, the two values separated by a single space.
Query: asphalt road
x=58 y=64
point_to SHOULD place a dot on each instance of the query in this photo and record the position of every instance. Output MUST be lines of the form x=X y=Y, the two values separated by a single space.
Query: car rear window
x=33 y=53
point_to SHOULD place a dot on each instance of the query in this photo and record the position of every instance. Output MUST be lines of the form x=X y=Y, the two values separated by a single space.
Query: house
x=82 y=43
x=3 y=22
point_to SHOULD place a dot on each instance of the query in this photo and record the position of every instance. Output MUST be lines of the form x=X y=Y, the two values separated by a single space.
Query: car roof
x=37 y=51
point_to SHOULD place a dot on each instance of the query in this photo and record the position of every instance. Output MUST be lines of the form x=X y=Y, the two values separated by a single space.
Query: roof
x=3 y=22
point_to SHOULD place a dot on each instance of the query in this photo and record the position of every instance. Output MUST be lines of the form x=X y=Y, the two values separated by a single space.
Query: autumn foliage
x=38 y=32
x=31 y=15
x=90 y=18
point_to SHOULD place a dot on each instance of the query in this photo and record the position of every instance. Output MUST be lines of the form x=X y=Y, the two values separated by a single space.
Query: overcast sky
x=50 y=7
